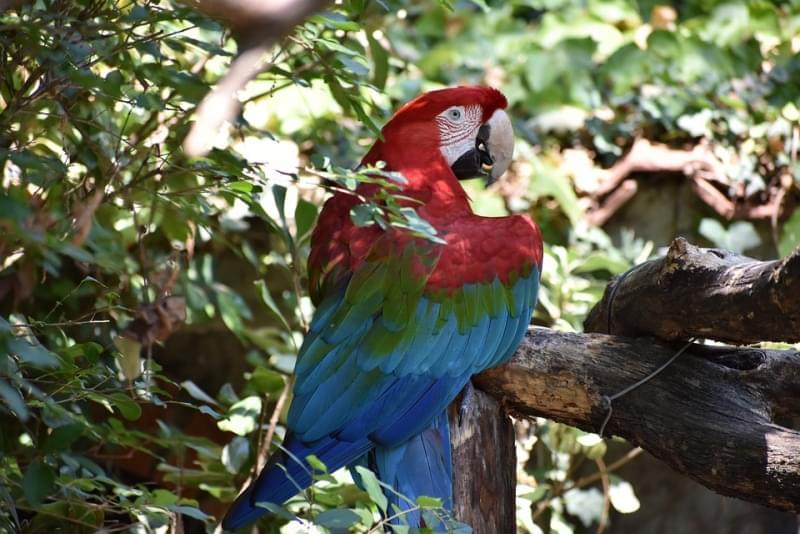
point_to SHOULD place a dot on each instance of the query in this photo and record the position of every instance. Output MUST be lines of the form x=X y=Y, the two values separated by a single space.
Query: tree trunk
x=484 y=466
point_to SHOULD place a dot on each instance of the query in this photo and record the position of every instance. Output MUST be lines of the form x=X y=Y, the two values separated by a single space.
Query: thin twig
x=260 y=453
x=562 y=488
x=617 y=464
x=601 y=467
x=276 y=414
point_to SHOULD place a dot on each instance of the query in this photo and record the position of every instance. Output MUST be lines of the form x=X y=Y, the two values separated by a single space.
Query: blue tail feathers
x=287 y=473
x=421 y=466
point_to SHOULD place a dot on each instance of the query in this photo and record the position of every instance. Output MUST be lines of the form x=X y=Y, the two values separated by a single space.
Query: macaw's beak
x=494 y=148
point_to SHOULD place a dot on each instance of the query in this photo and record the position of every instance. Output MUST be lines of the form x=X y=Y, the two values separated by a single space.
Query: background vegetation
x=151 y=305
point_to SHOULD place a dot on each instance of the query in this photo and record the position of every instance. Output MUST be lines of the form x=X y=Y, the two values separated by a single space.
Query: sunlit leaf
x=370 y=483
x=622 y=496
x=235 y=454
x=128 y=358
x=242 y=417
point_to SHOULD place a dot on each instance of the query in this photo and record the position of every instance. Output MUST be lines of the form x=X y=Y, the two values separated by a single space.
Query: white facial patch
x=458 y=127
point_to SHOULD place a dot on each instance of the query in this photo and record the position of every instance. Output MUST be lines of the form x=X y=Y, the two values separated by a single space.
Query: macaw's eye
x=454 y=114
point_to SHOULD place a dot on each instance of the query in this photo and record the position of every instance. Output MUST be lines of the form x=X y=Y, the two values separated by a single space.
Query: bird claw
x=467 y=399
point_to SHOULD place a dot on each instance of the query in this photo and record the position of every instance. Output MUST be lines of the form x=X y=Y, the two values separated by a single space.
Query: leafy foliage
x=151 y=305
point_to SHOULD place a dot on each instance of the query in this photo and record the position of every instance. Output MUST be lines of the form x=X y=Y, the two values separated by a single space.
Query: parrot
x=402 y=322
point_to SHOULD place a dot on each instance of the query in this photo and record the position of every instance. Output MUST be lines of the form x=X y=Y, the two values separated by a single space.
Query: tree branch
x=704 y=293
x=703 y=169
x=716 y=414
x=257 y=26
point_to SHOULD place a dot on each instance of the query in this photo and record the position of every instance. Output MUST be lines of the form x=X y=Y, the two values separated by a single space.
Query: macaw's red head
x=464 y=128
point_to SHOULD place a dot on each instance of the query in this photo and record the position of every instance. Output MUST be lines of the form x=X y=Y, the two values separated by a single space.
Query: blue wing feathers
x=390 y=393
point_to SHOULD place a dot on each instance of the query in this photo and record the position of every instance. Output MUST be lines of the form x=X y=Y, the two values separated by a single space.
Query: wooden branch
x=484 y=463
x=704 y=293
x=625 y=191
x=699 y=164
x=715 y=414
x=257 y=26
x=645 y=156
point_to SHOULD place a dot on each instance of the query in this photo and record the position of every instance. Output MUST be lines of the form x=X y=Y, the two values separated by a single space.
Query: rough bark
x=720 y=415
x=704 y=293
x=484 y=460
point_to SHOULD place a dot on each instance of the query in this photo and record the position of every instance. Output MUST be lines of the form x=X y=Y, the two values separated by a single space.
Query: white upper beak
x=500 y=143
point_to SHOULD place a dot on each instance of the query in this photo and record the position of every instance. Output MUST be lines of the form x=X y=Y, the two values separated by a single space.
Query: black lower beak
x=473 y=163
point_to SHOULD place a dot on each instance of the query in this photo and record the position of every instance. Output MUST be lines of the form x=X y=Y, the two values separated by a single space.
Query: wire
x=607 y=400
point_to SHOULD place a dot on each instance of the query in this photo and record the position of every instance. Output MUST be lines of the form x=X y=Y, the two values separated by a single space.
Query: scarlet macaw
x=402 y=322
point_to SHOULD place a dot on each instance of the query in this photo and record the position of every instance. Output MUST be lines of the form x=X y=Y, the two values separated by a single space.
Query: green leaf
x=266 y=381
x=235 y=454
x=129 y=358
x=14 y=400
x=380 y=58
x=550 y=182
x=77 y=253
x=304 y=216
x=89 y=350
x=537 y=494
x=232 y=308
x=163 y=497
x=738 y=237
x=242 y=417
x=266 y=298
x=197 y=393
x=622 y=496
x=38 y=482
x=419 y=225
x=279 y=194
x=190 y=511
x=280 y=511
x=353 y=65
x=602 y=261
x=128 y=407
x=337 y=519
x=428 y=502
x=316 y=464
x=363 y=116
x=363 y=214
x=370 y=483
x=32 y=353
x=63 y=437
x=336 y=20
